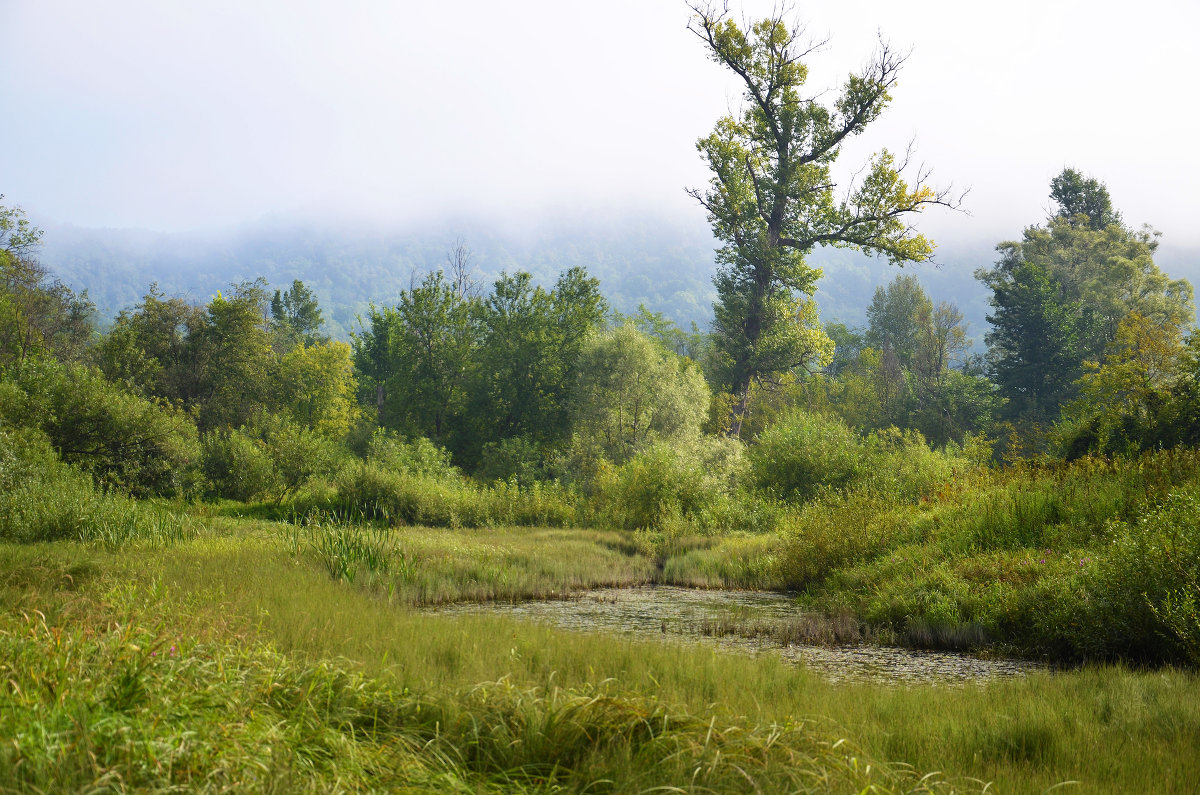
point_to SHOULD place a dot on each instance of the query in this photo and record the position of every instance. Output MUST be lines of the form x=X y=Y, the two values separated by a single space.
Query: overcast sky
x=176 y=116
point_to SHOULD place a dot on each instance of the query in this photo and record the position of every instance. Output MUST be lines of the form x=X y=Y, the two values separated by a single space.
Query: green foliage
x=231 y=350
x=897 y=319
x=296 y=316
x=237 y=465
x=848 y=344
x=136 y=444
x=407 y=498
x=298 y=455
x=316 y=387
x=147 y=348
x=771 y=198
x=43 y=499
x=420 y=354
x=217 y=360
x=37 y=316
x=466 y=371
x=1142 y=597
x=17 y=236
x=528 y=357
x=1062 y=291
x=226 y=364
x=1037 y=342
x=517 y=458
x=417 y=457
x=631 y=392
x=693 y=344
x=909 y=370
x=1050 y=560
x=1083 y=201
x=841 y=530
x=670 y=487
x=249 y=716
x=654 y=490
x=803 y=454
x=901 y=466
x=1128 y=404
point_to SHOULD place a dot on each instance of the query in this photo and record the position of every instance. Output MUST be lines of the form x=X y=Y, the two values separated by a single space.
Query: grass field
x=245 y=655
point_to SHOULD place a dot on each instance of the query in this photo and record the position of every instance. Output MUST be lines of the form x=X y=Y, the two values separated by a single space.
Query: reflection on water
x=660 y=611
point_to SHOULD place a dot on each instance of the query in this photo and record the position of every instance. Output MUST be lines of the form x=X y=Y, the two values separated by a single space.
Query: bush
x=659 y=488
x=370 y=491
x=900 y=465
x=840 y=530
x=517 y=458
x=126 y=441
x=237 y=466
x=298 y=455
x=540 y=504
x=388 y=450
x=43 y=499
x=1143 y=596
x=397 y=497
x=803 y=454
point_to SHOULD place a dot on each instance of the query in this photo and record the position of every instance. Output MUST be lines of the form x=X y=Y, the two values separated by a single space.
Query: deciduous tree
x=773 y=198
x=296 y=316
x=1063 y=290
x=529 y=350
x=631 y=391
x=37 y=314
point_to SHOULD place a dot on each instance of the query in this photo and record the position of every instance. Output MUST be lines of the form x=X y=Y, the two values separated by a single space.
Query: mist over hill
x=666 y=264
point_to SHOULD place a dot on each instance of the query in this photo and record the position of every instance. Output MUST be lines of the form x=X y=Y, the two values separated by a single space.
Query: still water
x=673 y=613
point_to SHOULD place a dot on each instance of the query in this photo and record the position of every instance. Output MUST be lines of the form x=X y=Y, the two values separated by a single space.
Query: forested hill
x=667 y=265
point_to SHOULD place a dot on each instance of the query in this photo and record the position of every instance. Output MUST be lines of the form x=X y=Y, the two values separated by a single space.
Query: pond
x=747 y=622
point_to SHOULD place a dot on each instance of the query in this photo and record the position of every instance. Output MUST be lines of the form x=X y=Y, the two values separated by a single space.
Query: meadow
x=186 y=647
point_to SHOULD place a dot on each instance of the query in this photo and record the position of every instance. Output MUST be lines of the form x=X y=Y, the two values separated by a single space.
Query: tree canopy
x=1061 y=293
x=772 y=197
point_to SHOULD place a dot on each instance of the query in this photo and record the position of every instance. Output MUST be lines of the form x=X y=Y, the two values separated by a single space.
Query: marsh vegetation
x=236 y=554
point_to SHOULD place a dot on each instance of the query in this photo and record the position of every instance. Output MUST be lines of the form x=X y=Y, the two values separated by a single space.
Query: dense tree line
x=1091 y=350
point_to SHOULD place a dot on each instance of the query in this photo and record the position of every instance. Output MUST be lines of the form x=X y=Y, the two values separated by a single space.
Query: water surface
x=741 y=621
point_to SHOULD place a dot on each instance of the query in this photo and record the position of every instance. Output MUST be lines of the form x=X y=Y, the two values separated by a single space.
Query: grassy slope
x=282 y=677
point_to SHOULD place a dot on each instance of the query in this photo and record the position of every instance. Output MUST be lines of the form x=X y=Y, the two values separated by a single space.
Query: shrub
x=901 y=466
x=517 y=458
x=840 y=530
x=540 y=504
x=126 y=441
x=237 y=466
x=802 y=454
x=657 y=489
x=43 y=499
x=368 y=490
x=390 y=451
x=1143 y=595
x=398 y=497
x=298 y=455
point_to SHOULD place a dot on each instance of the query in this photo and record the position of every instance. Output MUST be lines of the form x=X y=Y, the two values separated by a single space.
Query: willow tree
x=773 y=198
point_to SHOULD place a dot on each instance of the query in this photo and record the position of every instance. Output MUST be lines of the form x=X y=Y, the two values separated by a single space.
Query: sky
x=186 y=116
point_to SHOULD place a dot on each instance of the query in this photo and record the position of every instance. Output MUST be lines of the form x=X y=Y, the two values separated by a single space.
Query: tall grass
x=429 y=566
x=42 y=499
x=1028 y=558
x=85 y=710
x=440 y=500
x=338 y=689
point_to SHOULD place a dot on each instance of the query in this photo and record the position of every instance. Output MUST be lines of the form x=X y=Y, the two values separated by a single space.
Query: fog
x=174 y=116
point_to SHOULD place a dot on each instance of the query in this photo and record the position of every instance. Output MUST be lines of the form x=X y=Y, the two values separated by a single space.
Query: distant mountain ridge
x=666 y=265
